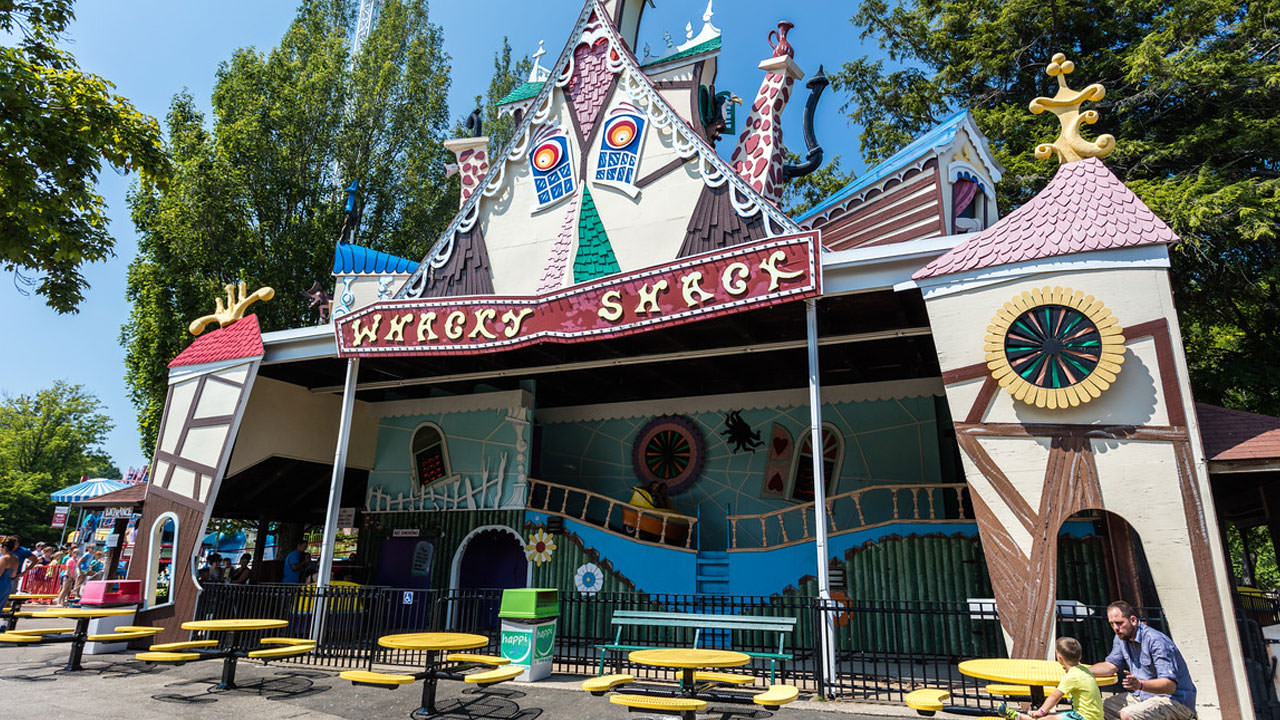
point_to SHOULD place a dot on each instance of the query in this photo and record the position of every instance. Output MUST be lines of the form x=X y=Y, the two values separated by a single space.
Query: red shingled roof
x=1083 y=208
x=1237 y=435
x=240 y=339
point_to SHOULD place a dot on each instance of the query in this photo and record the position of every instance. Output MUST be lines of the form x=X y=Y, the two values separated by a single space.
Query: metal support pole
x=826 y=628
x=335 y=494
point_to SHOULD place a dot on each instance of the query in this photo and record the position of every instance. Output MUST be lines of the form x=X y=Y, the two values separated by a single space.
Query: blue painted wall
x=885 y=442
x=477 y=441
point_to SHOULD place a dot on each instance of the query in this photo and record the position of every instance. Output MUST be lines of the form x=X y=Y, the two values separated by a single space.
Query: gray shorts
x=1159 y=707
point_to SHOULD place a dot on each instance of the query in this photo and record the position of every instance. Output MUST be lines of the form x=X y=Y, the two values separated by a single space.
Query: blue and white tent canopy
x=86 y=489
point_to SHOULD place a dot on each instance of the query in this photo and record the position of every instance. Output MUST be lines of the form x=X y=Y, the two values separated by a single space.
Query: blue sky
x=152 y=49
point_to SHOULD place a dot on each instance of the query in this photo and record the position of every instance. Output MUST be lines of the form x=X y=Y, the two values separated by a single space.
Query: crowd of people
x=70 y=564
x=217 y=568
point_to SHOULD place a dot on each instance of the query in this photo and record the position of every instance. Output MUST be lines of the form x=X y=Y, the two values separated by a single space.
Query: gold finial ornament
x=1069 y=146
x=234 y=309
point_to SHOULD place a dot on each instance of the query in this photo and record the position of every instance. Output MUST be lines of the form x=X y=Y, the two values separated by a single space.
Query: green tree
x=802 y=193
x=1193 y=93
x=507 y=76
x=47 y=441
x=256 y=198
x=57 y=127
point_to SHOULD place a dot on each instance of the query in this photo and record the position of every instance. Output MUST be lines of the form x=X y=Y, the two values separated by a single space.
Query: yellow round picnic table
x=231 y=624
x=82 y=616
x=1035 y=674
x=232 y=627
x=688 y=658
x=433 y=641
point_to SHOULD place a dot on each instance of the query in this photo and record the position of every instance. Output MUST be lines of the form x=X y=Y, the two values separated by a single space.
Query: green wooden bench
x=624 y=620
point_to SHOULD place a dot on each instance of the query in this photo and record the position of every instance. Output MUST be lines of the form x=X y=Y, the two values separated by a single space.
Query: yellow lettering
x=369 y=332
x=514 y=320
x=425 y=332
x=483 y=316
x=649 y=298
x=453 y=325
x=770 y=265
x=691 y=288
x=395 y=333
x=734 y=279
x=611 y=308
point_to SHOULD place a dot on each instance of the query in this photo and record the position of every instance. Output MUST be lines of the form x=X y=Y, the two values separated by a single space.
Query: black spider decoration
x=739 y=433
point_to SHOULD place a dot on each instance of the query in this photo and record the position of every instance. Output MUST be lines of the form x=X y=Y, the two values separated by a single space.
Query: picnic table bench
x=700 y=622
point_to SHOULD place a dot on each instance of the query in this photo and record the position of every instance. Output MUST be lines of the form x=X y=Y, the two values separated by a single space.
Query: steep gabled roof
x=240 y=339
x=924 y=146
x=714 y=171
x=1083 y=208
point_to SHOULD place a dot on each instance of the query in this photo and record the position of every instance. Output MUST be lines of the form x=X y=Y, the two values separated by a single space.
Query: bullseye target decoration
x=620 y=144
x=551 y=164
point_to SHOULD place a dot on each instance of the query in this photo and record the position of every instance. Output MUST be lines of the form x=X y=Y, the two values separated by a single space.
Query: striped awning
x=86 y=489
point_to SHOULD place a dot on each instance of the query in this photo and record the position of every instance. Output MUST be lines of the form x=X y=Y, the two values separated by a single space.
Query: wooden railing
x=850 y=511
x=643 y=525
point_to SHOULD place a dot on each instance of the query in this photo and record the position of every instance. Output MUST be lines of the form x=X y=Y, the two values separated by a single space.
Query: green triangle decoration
x=595 y=254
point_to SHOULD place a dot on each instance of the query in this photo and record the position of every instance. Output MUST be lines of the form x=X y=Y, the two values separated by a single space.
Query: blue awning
x=87 y=489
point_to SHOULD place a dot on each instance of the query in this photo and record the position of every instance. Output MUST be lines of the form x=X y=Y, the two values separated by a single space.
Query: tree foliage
x=802 y=193
x=58 y=125
x=1193 y=94
x=255 y=197
x=507 y=76
x=48 y=441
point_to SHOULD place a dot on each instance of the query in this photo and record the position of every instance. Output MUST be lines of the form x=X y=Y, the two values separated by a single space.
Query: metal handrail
x=850 y=505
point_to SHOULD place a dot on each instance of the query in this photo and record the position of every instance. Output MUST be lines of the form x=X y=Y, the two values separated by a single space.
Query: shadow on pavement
x=286 y=685
x=484 y=704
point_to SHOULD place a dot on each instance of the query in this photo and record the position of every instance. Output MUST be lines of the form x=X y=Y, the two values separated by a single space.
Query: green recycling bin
x=529 y=629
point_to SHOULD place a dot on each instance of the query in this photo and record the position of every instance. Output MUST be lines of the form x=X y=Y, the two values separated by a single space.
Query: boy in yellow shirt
x=1077 y=683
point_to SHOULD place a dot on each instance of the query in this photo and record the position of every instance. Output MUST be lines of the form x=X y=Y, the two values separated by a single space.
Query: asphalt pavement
x=34 y=686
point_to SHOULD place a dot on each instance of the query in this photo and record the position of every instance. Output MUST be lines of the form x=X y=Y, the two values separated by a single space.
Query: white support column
x=339 y=469
x=826 y=644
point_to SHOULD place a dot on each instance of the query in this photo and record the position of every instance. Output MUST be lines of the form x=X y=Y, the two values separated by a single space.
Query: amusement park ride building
x=607 y=270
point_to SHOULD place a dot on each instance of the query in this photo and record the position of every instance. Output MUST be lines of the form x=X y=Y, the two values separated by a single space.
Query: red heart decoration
x=775 y=482
x=780 y=445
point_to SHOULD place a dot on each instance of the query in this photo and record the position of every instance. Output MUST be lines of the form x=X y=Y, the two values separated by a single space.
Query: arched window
x=802 y=467
x=160 y=569
x=968 y=202
x=430 y=457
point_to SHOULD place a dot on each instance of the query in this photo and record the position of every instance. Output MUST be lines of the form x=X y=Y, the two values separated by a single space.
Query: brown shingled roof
x=1237 y=435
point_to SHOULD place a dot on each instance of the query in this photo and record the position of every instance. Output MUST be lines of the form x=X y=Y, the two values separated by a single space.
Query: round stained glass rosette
x=1054 y=347
x=669 y=449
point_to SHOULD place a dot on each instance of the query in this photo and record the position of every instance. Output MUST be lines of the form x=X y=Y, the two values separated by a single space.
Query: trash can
x=529 y=629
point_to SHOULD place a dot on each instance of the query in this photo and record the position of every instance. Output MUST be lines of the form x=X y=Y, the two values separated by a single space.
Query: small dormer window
x=968 y=204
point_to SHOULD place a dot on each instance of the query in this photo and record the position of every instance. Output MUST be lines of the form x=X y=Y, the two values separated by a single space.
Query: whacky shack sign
x=744 y=277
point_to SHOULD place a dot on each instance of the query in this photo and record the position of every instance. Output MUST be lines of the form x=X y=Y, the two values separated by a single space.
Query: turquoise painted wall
x=480 y=444
x=885 y=442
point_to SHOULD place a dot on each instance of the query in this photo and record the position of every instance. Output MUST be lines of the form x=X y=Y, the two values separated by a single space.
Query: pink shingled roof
x=240 y=339
x=1237 y=435
x=1083 y=208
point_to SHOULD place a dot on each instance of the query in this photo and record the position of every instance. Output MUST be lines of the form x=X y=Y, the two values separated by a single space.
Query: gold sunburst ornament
x=1070 y=146
x=1054 y=347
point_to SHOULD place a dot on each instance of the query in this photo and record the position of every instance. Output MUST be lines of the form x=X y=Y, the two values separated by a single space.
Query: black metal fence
x=884 y=649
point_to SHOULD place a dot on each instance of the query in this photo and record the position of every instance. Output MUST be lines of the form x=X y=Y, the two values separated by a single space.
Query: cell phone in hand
x=1121 y=674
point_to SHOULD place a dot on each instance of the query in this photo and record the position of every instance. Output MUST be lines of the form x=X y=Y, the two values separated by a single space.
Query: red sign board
x=60 y=516
x=743 y=277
